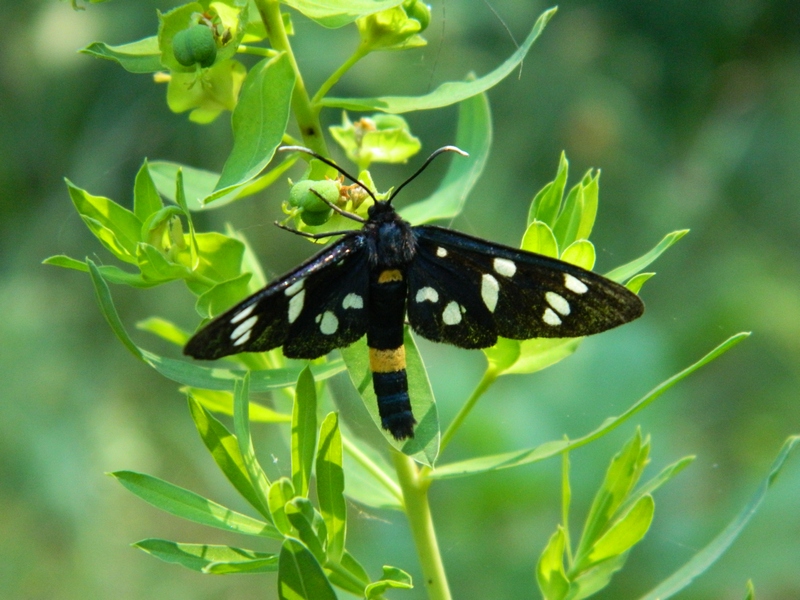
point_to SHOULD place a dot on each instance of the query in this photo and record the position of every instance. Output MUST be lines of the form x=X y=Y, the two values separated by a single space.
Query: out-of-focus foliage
x=690 y=112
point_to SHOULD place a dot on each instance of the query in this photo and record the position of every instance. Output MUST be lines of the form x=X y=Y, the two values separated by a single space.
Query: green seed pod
x=195 y=45
x=316 y=218
x=301 y=195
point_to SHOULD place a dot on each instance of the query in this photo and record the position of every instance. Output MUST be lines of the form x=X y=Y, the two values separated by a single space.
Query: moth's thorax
x=390 y=238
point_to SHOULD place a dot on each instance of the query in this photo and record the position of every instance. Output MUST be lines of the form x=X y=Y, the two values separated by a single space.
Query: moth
x=451 y=288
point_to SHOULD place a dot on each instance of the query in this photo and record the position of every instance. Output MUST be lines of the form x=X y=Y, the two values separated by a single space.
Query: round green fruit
x=195 y=45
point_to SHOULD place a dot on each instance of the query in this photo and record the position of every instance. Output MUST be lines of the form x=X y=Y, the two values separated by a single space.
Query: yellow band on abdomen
x=390 y=275
x=387 y=361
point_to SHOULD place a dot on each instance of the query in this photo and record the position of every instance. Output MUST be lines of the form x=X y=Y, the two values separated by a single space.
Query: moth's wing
x=285 y=312
x=518 y=294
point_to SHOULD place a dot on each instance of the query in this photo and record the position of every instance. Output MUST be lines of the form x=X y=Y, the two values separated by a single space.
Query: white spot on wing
x=489 y=291
x=559 y=303
x=295 y=287
x=441 y=252
x=427 y=293
x=244 y=327
x=550 y=317
x=505 y=267
x=296 y=305
x=353 y=301
x=452 y=314
x=244 y=338
x=243 y=313
x=574 y=284
x=329 y=323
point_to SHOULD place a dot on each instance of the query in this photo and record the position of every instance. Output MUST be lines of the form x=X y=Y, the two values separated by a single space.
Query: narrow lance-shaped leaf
x=330 y=485
x=224 y=448
x=474 y=136
x=701 y=561
x=192 y=507
x=300 y=576
x=450 y=92
x=241 y=424
x=304 y=431
x=548 y=449
x=146 y=200
x=547 y=202
x=550 y=574
x=198 y=557
x=630 y=269
x=624 y=533
x=309 y=525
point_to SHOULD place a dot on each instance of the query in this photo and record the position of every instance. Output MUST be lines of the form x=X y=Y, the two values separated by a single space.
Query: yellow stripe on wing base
x=387 y=361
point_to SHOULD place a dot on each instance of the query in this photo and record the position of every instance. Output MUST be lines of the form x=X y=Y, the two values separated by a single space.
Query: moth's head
x=380 y=207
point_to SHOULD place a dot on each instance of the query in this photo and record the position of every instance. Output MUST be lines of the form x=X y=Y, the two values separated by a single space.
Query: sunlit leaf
x=198 y=557
x=300 y=577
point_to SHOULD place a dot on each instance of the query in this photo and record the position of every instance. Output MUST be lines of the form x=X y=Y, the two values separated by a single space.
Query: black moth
x=452 y=288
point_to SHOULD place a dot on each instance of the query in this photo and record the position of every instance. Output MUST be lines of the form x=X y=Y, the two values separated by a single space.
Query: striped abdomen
x=387 y=355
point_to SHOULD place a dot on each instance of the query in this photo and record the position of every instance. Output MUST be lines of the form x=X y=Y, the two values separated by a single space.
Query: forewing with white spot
x=284 y=312
x=508 y=292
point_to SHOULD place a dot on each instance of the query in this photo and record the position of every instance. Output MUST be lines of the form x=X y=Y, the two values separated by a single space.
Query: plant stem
x=257 y=50
x=360 y=53
x=307 y=119
x=418 y=512
x=488 y=379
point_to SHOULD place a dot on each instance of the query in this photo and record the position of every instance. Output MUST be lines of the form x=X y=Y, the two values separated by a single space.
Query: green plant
x=194 y=53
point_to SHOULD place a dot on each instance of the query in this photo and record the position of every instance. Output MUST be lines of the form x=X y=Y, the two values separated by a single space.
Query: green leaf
x=199 y=183
x=591 y=192
x=146 y=200
x=156 y=267
x=104 y=215
x=522 y=457
x=621 y=477
x=354 y=568
x=502 y=355
x=636 y=282
x=241 y=425
x=424 y=446
x=626 y=532
x=259 y=122
x=539 y=238
x=540 y=353
x=300 y=577
x=224 y=448
x=701 y=561
x=109 y=311
x=474 y=136
x=656 y=482
x=166 y=330
x=255 y=565
x=220 y=259
x=630 y=269
x=566 y=227
x=109 y=273
x=304 y=431
x=309 y=525
x=280 y=493
x=192 y=507
x=222 y=402
x=392 y=578
x=580 y=253
x=547 y=202
x=337 y=13
x=450 y=92
x=751 y=591
x=595 y=579
x=222 y=296
x=198 y=557
x=330 y=485
x=141 y=56
x=550 y=574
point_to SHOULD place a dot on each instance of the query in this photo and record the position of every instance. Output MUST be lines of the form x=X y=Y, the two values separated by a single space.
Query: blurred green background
x=692 y=111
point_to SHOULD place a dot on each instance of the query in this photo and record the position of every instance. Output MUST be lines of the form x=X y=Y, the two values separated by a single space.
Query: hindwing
x=319 y=306
x=466 y=291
